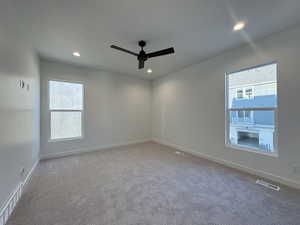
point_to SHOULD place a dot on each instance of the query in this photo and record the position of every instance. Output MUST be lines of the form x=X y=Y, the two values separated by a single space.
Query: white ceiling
x=197 y=29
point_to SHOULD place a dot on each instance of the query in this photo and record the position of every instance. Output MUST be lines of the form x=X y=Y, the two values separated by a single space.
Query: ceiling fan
x=143 y=56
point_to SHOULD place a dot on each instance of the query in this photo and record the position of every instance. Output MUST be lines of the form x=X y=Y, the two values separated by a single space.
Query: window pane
x=65 y=125
x=259 y=85
x=256 y=132
x=65 y=95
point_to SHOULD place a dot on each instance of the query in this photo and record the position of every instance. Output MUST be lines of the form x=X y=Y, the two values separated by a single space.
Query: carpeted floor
x=149 y=184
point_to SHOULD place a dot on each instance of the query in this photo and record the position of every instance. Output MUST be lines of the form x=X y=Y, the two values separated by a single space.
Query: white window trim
x=49 y=112
x=227 y=111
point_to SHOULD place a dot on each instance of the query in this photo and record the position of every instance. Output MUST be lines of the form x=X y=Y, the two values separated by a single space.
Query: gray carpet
x=149 y=184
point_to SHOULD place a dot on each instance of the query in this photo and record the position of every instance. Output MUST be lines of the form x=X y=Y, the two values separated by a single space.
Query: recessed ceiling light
x=239 y=26
x=77 y=54
x=149 y=71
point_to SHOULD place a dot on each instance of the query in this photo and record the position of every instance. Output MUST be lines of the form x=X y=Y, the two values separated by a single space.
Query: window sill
x=244 y=148
x=65 y=139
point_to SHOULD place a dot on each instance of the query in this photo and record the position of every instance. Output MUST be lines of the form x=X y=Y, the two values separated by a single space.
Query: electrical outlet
x=296 y=169
x=21 y=84
x=22 y=172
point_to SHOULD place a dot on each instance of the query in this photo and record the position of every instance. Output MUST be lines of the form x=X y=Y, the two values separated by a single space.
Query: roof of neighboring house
x=253 y=76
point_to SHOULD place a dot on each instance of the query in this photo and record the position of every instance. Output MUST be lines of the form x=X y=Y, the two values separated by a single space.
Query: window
x=240 y=114
x=244 y=93
x=240 y=93
x=251 y=109
x=248 y=93
x=247 y=115
x=65 y=110
x=244 y=116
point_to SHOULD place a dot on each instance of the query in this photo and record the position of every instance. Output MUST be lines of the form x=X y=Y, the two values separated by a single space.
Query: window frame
x=63 y=110
x=275 y=109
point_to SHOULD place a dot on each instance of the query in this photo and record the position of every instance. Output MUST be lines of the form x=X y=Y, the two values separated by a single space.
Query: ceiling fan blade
x=123 y=50
x=141 y=64
x=161 y=52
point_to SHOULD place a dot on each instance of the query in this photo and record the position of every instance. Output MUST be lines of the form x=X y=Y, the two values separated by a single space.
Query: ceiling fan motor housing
x=142 y=56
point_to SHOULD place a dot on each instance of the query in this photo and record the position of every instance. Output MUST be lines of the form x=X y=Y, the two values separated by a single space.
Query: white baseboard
x=27 y=178
x=14 y=198
x=252 y=171
x=98 y=148
x=11 y=204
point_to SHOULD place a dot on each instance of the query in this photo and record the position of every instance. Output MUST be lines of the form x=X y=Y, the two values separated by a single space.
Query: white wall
x=117 y=108
x=19 y=113
x=188 y=107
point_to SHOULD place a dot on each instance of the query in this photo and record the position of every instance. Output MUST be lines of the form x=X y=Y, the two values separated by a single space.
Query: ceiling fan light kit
x=142 y=57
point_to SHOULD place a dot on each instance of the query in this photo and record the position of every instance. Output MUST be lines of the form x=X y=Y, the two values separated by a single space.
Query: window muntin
x=251 y=117
x=65 y=110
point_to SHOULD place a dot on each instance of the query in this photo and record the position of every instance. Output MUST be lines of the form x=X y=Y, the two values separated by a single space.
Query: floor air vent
x=268 y=185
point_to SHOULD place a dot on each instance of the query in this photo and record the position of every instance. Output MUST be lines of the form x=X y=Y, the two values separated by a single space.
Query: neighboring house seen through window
x=251 y=109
